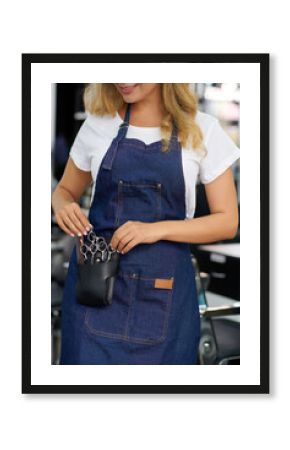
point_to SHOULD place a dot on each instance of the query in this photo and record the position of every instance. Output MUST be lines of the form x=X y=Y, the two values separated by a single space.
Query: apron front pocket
x=138 y=201
x=139 y=311
x=149 y=315
x=111 y=320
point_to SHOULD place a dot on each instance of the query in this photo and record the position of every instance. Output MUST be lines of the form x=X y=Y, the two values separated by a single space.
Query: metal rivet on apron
x=159 y=185
x=120 y=181
x=134 y=275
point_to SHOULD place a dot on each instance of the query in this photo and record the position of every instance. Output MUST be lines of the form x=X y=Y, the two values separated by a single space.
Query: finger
x=116 y=240
x=64 y=227
x=122 y=231
x=132 y=243
x=74 y=218
x=83 y=219
x=124 y=240
x=69 y=223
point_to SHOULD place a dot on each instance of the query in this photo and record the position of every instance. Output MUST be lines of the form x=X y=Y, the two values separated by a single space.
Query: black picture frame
x=123 y=58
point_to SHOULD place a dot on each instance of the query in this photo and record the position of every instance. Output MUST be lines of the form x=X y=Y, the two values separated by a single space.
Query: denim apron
x=154 y=315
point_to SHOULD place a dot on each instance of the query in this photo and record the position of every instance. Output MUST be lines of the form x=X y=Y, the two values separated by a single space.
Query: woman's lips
x=128 y=88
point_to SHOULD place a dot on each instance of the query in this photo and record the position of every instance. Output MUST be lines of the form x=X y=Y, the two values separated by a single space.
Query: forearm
x=210 y=228
x=60 y=198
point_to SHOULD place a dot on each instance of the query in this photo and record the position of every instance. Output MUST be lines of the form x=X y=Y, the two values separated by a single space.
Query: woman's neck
x=143 y=114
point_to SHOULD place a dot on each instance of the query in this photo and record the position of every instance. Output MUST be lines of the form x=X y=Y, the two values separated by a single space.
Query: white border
x=42 y=76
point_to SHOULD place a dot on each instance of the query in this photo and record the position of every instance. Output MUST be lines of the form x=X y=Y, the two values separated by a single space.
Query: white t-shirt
x=97 y=132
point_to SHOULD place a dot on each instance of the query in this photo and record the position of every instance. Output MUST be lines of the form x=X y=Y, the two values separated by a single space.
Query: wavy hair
x=179 y=101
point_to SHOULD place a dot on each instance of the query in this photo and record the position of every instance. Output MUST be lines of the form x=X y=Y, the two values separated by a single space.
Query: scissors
x=98 y=250
x=93 y=248
x=111 y=250
x=92 y=237
x=84 y=250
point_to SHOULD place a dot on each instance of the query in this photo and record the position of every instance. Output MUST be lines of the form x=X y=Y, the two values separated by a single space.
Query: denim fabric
x=145 y=324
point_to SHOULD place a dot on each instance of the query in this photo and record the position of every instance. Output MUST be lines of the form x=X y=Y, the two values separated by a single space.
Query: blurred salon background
x=217 y=264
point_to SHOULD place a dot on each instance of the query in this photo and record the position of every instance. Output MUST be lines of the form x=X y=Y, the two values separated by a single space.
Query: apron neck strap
x=109 y=157
x=127 y=115
x=123 y=128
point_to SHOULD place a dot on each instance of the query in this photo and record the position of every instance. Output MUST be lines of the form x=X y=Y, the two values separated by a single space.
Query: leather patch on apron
x=163 y=283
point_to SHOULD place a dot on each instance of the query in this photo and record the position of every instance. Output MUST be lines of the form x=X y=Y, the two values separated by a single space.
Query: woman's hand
x=132 y=233
x=72 y=220
x=68 y=214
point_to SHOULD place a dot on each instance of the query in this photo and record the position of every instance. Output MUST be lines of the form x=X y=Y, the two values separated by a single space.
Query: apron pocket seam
x=123 y=199
x=161 y=298
x=162 y=302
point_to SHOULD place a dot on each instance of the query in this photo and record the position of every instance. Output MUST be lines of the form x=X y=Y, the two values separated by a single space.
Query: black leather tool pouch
x=95 y=282
x=97 y=268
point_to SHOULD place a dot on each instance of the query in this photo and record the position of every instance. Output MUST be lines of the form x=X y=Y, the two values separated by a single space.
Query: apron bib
x=154 y=315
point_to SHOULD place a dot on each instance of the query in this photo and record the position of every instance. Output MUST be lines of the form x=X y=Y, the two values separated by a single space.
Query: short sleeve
x=222 y=153
x=80 y=150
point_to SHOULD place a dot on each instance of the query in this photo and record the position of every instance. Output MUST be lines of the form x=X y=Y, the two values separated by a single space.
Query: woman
x=143 y=146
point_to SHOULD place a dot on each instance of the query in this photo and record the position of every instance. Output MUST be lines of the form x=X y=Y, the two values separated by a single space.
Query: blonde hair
x=180 y=104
